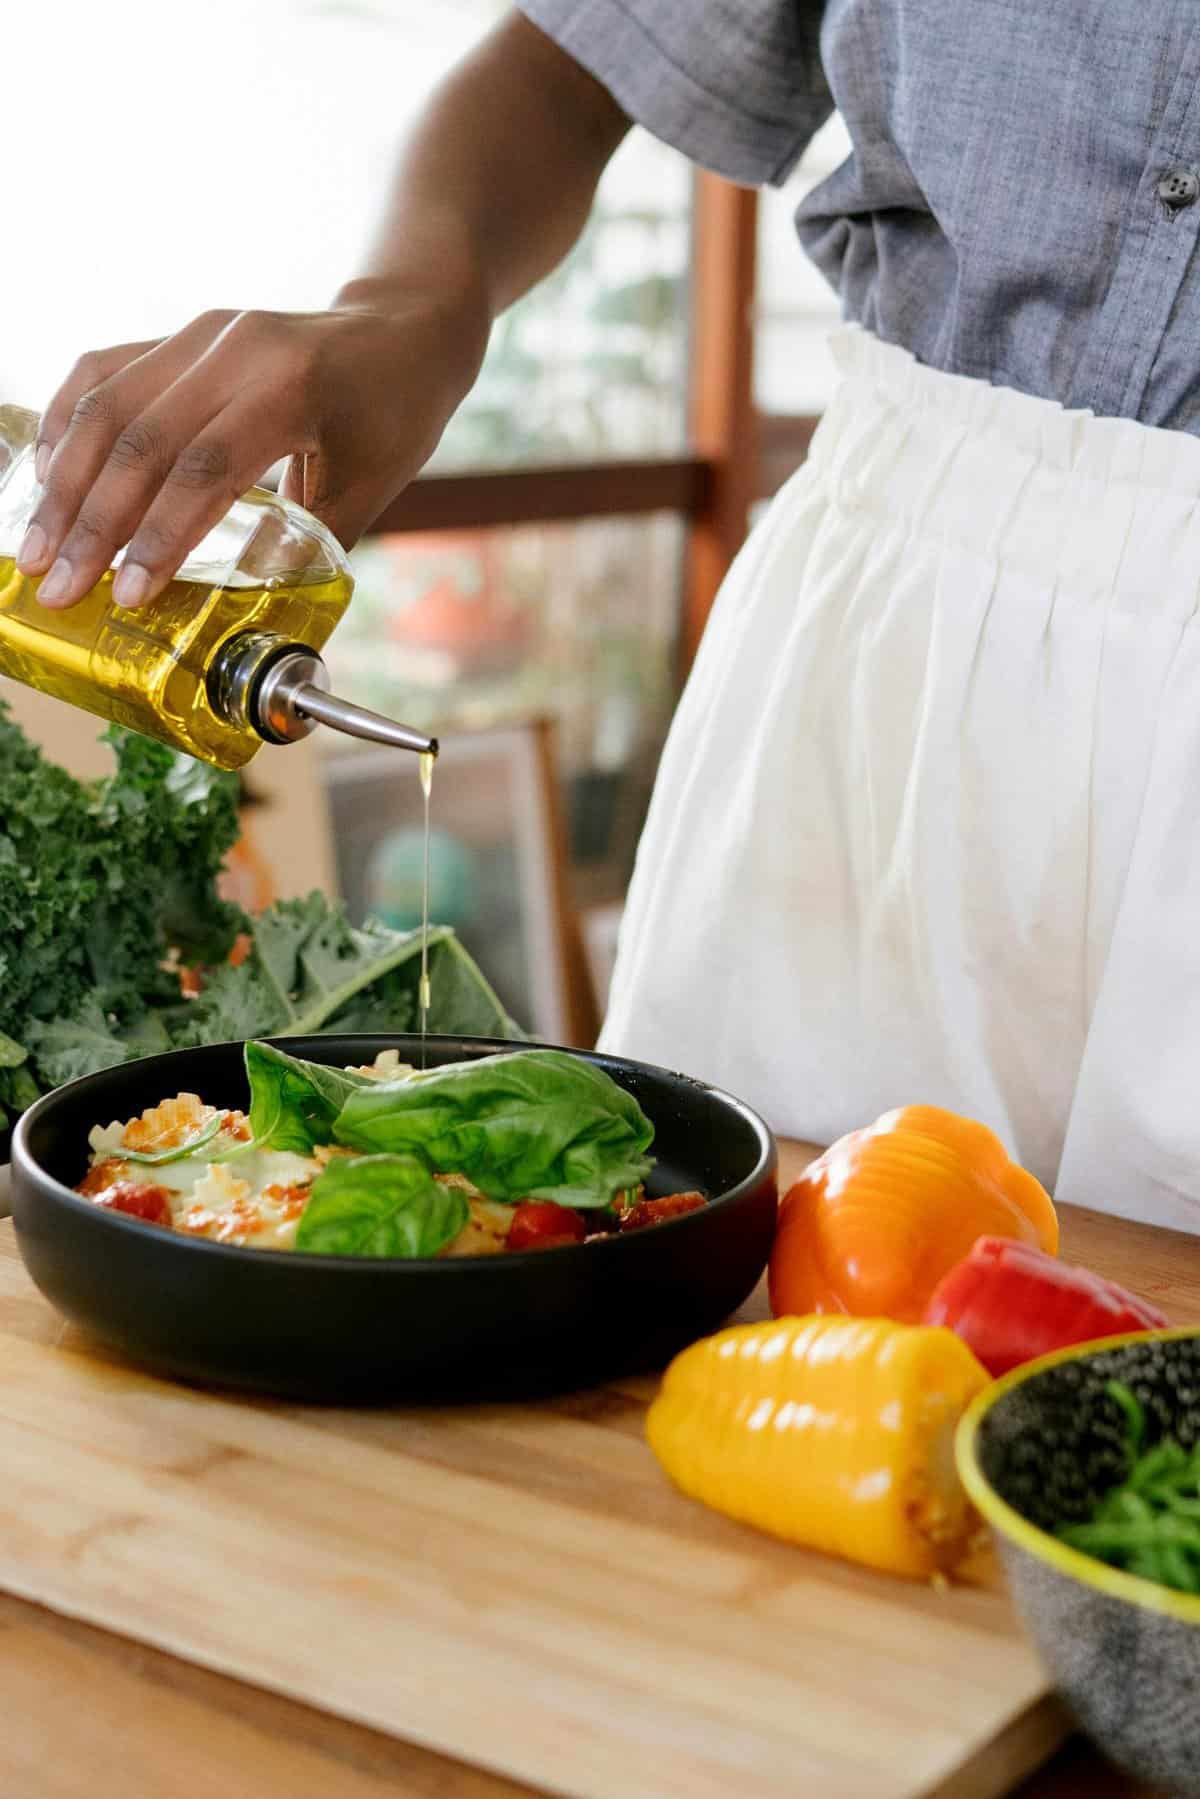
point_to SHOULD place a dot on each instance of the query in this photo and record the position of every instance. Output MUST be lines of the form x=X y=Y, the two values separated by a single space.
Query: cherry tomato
x=137 y=1201
x=657 y=1211
x=542 y=1224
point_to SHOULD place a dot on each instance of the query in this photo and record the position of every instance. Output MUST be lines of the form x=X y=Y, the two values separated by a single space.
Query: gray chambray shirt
x=1020 y=204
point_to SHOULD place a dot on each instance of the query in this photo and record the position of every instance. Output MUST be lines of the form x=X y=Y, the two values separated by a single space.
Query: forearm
x=495 y=183
x=147 y=444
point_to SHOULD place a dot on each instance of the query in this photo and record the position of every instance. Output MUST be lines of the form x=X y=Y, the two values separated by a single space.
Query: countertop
x=92 y=1711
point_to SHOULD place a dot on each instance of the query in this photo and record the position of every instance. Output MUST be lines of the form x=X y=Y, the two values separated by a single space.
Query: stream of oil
x=426 y=761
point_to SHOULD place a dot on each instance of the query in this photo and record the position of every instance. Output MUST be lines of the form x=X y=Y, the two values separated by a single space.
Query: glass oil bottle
x=225 y=659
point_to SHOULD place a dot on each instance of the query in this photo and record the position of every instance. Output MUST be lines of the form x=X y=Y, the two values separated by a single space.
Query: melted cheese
x=259 y=1206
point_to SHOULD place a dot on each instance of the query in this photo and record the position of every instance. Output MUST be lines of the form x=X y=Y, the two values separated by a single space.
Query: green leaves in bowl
x=380 y=1206
x=294 y=1104
x=527 y=1124
x=1149 y=1523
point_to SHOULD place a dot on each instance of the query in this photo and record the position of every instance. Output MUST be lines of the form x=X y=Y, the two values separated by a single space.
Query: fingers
x=89 y=372
x=161 y=447
x=151 y=444
x=120 y=440
x=202 y=483
x=89 y=512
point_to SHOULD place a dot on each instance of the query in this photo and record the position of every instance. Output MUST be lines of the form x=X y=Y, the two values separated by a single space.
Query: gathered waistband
x=1107 y=450
x=1107 y=509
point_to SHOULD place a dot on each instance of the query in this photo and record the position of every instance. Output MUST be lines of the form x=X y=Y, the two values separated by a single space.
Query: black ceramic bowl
x=1040 y=1447
x=337 y=1328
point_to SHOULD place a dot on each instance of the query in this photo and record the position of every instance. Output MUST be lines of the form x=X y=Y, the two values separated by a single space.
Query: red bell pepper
x=1010 y=1302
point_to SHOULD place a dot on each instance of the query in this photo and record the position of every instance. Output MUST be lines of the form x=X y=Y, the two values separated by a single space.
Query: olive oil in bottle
x=224 y=659
x=149 y=669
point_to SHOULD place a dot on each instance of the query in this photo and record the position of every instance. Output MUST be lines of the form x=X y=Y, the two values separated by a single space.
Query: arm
x=149 y=444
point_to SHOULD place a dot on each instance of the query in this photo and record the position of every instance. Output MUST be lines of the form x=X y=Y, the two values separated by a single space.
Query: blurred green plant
x=587 y=365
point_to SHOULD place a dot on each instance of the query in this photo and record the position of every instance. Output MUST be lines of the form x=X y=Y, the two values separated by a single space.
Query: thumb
x=309 y=480
x=297 y=482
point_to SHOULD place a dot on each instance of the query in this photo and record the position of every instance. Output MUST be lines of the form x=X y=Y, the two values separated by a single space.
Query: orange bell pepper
x=835 y=1433
x=871 y=1227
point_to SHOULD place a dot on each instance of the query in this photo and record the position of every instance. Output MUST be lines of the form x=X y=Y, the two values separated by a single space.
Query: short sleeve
x=736 y=85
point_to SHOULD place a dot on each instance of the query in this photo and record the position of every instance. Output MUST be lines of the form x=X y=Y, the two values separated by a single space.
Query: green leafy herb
x=535 y=1124
x=1149 y=1524
x=293 y=1103
x=380 y=1206
x=1135 y=1417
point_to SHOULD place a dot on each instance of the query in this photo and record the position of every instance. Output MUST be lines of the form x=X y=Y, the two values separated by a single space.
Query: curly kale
x=101 y=884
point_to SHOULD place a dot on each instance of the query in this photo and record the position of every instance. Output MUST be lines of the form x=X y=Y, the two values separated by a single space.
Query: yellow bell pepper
x=836 y=1433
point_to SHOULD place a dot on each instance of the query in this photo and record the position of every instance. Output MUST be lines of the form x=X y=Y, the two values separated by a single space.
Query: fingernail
x=57 y=584
x=41 y=462
x=131 y=585
x=33 y=551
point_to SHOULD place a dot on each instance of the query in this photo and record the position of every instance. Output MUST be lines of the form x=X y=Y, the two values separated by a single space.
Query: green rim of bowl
x=1039 y=1543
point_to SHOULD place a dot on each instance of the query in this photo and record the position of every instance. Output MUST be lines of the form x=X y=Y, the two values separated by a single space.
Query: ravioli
x=258 y=1197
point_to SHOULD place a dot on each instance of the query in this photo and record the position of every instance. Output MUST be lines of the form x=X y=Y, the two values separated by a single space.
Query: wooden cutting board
x=516 y=1586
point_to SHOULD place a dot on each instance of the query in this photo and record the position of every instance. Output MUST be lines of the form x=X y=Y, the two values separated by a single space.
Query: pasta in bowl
x=527 y=1149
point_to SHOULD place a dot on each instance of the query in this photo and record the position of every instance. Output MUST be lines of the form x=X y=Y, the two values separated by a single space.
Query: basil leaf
x=530 y=1124
x=293 y=1103
x=197 y=1140
x=380 y=1206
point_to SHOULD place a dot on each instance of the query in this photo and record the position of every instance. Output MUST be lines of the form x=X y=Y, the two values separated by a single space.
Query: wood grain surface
x=497 y=1599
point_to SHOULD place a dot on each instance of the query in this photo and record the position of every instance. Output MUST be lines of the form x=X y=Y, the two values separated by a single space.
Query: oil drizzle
x=425 y=762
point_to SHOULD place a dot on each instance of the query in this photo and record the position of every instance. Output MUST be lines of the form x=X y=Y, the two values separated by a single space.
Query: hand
x=150 y=444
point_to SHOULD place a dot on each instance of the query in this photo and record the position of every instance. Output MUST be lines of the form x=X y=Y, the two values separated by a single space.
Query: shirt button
x=1179 y=188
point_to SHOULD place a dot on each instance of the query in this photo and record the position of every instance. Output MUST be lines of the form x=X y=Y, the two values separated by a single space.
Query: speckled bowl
x=1039 y=1447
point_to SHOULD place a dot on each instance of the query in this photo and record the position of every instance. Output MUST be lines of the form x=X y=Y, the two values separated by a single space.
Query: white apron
x=927 y=826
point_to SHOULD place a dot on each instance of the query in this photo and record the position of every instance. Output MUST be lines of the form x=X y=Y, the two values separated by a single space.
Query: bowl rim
x=23 y=1161
x=1115 y=1583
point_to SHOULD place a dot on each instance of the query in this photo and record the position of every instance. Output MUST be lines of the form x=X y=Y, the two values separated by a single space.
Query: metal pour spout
x=357 y=721
x=282 y=690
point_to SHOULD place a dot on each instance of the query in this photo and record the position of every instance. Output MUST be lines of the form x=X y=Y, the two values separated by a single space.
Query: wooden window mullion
x=722 y=418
